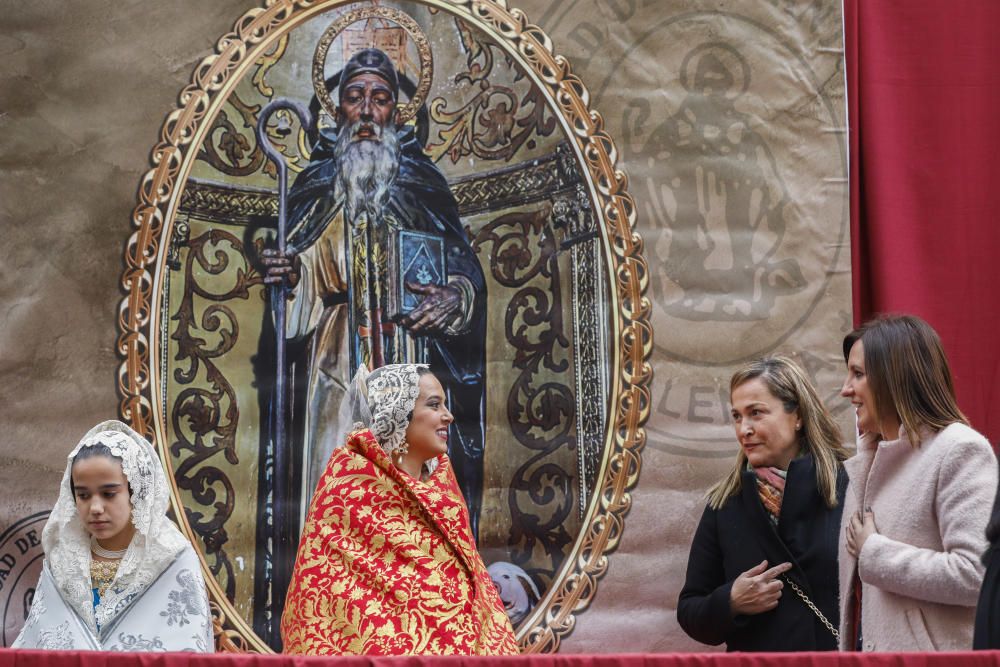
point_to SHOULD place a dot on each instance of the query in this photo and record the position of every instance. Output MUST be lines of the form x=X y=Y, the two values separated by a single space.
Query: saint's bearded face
x=368 y=159
x=367 y=147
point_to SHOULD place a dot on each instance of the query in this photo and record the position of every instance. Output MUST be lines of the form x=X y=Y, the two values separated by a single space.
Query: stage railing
x=12 y=658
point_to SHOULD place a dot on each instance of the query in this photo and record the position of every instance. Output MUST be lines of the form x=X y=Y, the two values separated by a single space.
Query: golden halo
x=404 y=112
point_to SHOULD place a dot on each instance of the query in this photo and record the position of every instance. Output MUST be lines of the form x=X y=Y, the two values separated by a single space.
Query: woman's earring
x=403 y=449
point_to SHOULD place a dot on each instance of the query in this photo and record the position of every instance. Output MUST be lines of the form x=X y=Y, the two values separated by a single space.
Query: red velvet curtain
x=9 y=658
x=923 y=80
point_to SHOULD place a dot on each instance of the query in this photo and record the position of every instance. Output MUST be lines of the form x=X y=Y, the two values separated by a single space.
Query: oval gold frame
x=158 y=199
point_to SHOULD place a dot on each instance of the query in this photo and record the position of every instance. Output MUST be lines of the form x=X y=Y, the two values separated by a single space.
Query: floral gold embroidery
x=387 y=565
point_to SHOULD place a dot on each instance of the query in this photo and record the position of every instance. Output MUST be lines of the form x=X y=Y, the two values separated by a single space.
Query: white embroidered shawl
x=170 y=615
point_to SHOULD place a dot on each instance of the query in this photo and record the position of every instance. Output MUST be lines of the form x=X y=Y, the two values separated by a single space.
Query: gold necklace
x=102 y=574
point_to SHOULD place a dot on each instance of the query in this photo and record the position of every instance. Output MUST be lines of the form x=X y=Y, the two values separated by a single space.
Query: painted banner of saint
x=425 y=206
x=368 y=184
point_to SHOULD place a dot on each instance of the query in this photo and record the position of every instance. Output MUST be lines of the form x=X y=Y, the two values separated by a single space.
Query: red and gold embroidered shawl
x=387 y=566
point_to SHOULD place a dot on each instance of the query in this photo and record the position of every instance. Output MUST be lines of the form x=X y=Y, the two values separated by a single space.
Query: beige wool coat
x=921 y=572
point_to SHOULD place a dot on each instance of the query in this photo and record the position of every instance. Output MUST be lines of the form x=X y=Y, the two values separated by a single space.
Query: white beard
x=368 y=169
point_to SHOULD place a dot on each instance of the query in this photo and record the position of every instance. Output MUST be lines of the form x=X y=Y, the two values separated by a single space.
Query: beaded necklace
x=96 y=548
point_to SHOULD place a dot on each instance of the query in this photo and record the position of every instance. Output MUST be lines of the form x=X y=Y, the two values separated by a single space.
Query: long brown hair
x=908 y=374
x=819 y=435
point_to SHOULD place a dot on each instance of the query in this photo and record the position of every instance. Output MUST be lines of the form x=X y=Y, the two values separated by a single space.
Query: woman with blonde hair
x=921 y=488
x=772 y=521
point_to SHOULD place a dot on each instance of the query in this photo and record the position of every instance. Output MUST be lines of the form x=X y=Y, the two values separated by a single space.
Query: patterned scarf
x=771 y=489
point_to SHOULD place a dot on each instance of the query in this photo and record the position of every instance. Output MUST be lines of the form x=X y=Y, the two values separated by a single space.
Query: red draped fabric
x=387 y=565
x=9 y=658
x=923 y=81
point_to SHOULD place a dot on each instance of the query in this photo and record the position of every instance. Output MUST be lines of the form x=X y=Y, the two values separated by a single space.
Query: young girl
x=118 y=575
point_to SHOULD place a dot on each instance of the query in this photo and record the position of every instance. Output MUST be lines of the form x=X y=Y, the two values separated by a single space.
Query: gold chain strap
x=813 y=607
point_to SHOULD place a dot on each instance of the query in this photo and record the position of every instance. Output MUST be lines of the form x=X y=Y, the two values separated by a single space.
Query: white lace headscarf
x=382 y=401
x=156 y=544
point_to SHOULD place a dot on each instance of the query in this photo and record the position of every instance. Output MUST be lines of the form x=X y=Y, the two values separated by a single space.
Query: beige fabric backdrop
x=84 y=91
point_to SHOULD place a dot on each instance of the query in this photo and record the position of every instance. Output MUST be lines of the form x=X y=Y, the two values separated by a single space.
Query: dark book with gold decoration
x=414 y=257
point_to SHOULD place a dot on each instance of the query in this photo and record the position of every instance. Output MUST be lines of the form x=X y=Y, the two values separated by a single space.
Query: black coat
x=987 y=627
x=739 y=536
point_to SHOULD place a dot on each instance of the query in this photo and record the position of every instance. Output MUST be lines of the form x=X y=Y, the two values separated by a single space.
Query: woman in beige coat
x=919 y=498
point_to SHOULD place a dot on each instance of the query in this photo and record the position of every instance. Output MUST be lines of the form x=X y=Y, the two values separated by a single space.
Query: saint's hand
x=758 y=589
x=280 y=267
x=441 y=304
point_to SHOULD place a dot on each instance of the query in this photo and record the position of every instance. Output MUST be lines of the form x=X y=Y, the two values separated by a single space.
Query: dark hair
x=908 y=373
x=849 y=341
x=89 y=452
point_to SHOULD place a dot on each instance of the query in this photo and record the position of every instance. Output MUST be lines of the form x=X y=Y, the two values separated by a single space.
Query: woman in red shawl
x=387 y=564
